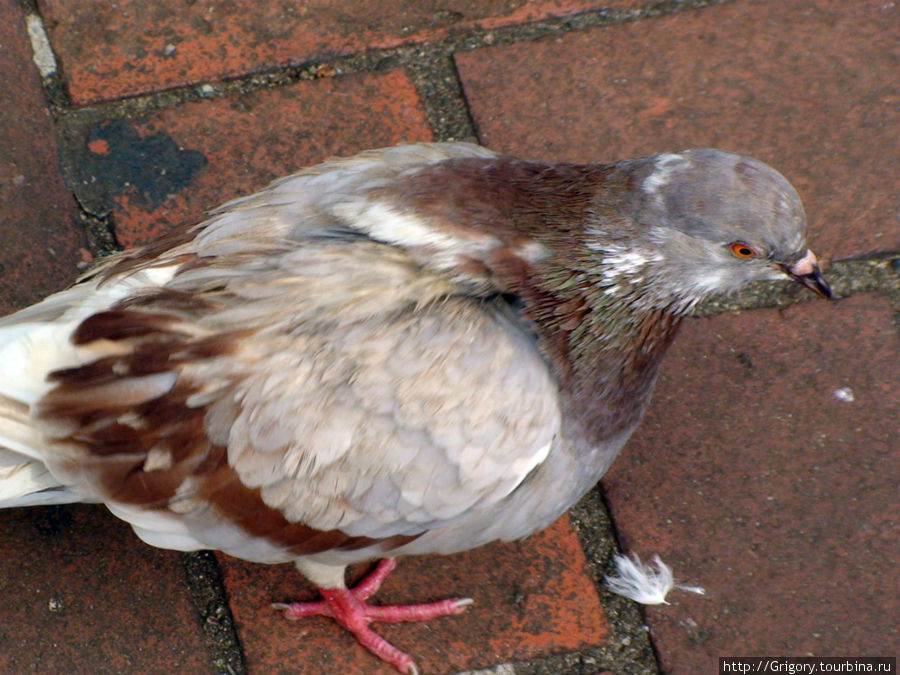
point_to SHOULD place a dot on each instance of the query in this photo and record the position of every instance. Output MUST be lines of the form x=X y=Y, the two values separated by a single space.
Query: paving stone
x=809 y=87
x=82 y=594
x=766 y=472
x=532 y=598
x=41 y=244
x=170 y=168
x=111 y=50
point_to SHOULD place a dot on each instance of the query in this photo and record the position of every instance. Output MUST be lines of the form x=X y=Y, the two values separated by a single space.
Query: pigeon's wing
x=395 y=427
x=380 y=407
x=291 y=371
x=312 y=203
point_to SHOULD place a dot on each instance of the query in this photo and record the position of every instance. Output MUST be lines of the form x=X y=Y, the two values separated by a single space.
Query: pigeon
x=417 y=349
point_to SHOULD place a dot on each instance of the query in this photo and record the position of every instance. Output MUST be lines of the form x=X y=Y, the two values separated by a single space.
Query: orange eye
x=742 y=250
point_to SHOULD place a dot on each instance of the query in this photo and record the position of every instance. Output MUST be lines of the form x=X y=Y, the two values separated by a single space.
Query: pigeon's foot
x=349 y=608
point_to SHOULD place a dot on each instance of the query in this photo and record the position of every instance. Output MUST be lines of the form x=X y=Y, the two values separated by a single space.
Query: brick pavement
x=749 y=476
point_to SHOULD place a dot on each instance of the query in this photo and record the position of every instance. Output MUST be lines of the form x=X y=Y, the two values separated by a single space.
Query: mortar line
x=210 y=600
x=441 y=92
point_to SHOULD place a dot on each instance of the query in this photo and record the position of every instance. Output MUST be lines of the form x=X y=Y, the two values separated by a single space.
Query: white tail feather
x=33 y=343
x=24 y=482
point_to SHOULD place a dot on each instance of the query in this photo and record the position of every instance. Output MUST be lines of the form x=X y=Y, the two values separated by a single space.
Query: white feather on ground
x=642 y=583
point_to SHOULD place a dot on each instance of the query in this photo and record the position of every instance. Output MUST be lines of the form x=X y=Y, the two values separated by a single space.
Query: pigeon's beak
x=806 y=272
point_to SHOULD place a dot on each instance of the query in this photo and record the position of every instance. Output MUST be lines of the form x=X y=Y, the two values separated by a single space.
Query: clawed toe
x=349 y=608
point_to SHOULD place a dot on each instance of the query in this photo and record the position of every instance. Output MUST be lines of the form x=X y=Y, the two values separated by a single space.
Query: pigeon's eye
x=742 y=250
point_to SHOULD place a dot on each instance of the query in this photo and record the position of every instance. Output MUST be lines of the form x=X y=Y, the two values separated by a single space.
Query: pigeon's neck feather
x=510 y=199
x=605 y=349
x=606 y=356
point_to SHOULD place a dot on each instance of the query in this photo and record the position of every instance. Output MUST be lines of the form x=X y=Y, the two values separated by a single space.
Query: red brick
x=81 y=594
x=236 y=145
x=40 y=241
x=532 y=598
x=134 y=46
x=752 y=479
x=809 y=87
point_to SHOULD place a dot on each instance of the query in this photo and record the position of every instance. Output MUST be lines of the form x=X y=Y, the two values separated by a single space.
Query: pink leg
x=349 y=609
x=370 y=583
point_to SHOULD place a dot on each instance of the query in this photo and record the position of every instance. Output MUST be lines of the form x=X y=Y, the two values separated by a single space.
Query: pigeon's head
x=709 y=222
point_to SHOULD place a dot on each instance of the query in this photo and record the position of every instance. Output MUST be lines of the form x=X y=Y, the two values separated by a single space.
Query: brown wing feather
x=137 y=447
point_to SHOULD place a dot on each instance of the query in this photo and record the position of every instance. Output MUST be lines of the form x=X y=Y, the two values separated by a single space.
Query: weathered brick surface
x=39 y=241
x=170 y=168
x=752 y=478
x=110 y=50
x=80 y=593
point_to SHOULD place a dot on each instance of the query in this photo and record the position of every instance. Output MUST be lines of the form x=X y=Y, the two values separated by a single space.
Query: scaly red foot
x=349 y=609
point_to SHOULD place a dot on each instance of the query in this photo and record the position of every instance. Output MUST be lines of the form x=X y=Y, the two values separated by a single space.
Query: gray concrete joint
x=211 y=604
